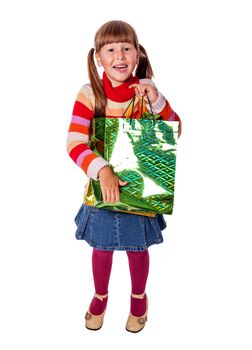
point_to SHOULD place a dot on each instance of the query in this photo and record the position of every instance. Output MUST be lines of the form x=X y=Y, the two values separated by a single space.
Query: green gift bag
x=143 y=153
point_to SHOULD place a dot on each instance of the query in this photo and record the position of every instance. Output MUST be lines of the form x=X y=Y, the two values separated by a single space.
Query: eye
x=127 y=49
x=110 y=50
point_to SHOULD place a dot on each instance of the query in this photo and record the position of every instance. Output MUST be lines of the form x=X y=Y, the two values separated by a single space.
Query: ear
x=98 y=59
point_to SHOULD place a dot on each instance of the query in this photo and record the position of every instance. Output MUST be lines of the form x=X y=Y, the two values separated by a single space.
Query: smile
x=120 y=66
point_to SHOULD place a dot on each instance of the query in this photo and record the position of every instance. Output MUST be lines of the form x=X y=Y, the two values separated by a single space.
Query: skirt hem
x=128 y=248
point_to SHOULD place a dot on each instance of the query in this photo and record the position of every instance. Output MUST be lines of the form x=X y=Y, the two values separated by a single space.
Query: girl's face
x=118 y=60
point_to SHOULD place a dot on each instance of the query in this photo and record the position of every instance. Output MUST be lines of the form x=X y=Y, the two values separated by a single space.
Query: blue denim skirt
x=107 y=229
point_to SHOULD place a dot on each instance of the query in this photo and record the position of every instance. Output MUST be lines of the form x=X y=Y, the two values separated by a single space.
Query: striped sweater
x=118 y=99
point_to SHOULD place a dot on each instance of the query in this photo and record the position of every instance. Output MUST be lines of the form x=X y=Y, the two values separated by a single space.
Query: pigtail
x=144 y=69
x=97 y=86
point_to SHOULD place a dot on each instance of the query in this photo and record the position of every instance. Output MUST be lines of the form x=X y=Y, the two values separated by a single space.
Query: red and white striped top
x=118 y=99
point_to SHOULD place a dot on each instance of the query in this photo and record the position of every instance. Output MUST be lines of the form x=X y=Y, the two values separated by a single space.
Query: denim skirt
x=107 y=229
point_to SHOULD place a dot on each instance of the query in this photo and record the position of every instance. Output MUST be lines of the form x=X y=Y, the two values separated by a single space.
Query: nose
x=120 y=54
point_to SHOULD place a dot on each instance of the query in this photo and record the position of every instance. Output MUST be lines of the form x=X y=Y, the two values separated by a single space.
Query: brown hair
x=114 y=32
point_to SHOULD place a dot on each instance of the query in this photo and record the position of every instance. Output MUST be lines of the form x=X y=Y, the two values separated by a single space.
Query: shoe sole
x=134 y=331
x=94 y=329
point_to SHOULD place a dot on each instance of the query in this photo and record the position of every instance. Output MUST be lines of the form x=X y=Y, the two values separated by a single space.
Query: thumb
x=122 y=183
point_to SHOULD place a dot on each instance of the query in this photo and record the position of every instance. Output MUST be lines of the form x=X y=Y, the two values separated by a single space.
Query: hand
x=110 y=183
x=146 y=89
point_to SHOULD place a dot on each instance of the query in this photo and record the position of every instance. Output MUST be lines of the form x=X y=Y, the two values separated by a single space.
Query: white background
x=199 y=284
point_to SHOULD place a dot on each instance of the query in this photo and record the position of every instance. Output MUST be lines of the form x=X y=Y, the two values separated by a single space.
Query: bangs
x=115 y=32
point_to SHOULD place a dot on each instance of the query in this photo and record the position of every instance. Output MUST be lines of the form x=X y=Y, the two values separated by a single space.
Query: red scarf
x=122 y=92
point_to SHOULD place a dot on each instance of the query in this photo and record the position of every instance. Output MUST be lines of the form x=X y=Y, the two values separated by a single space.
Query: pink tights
x=139 y=268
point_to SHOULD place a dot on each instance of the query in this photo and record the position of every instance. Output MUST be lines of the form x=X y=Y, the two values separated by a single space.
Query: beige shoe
x=136 y=324
x=94 y=322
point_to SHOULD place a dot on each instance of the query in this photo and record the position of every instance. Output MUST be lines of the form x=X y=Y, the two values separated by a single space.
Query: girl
x=118 y=51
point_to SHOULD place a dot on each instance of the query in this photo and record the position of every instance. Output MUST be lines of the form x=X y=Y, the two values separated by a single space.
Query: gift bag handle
x=132 y=103
x=151 y=109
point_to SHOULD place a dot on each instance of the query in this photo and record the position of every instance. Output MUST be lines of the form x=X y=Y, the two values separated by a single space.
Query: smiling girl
x=127 y=72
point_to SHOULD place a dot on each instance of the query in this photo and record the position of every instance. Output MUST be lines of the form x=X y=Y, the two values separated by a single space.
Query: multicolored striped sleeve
x=168 y=114
x=78 y=135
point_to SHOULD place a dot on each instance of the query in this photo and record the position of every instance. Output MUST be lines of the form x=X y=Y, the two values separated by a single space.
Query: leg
x=139 y=269
x=101 y=264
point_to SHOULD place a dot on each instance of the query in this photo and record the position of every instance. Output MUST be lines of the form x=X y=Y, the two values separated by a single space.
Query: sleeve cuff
x=95 y=166
x=159 y=104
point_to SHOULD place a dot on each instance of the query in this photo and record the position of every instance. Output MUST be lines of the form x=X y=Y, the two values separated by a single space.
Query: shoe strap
x=138 y=296
x=101 y=297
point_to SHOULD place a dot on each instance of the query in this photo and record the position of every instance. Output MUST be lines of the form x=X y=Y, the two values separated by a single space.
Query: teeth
x=122 y=66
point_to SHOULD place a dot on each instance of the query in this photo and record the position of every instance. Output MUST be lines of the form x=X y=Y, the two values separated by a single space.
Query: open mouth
x=120 y=66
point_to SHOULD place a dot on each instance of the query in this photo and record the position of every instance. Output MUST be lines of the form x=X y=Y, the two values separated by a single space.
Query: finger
x=112 y=196
x=138 y=90
x=141 y=86
x=108 y=196
x=133 y=86
x=122 y=183
x=104 y=196
x=117 y=196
